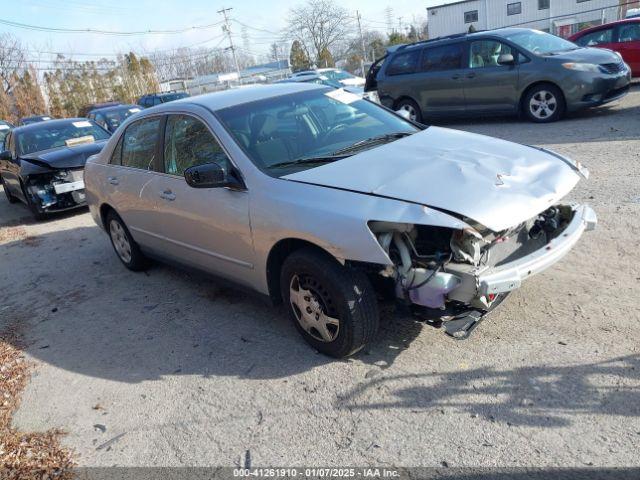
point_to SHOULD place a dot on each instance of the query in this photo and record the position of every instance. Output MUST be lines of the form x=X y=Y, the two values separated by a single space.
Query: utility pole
x=364 y=50
x=227 y=30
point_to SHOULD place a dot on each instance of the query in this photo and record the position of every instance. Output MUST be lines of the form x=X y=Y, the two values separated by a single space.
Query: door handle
x=168 y=195
x=113 y=180
x=471 y=75
x=455 y=77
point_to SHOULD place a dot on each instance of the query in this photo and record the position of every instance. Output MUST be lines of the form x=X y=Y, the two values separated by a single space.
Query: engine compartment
x=431 y=262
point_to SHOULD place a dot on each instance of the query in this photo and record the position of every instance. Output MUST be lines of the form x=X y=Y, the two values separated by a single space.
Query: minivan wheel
x=10 y=198
x=126 y=248
x=543 y=103
x=333 y=307
x=412 y=108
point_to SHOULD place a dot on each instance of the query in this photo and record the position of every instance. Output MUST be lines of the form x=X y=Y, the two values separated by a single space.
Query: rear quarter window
x=139 y=143
x=403 y=63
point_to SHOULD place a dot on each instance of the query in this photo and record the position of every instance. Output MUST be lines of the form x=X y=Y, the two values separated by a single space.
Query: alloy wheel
x=543 y=104
x=312 y=308
x=413 y=115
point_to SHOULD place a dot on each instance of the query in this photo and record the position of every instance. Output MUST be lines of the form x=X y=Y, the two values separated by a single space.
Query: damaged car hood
x=65 y=157
x=498 y=184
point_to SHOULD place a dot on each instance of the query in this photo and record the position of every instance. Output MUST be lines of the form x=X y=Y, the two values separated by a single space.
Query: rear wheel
x=333 y=307
x=543 y=103
x=10 y=197
x=412 y=109
x=126 y=248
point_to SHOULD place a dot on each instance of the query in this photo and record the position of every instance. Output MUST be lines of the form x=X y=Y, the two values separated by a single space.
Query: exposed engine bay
x=435 y=267
x=56 y=190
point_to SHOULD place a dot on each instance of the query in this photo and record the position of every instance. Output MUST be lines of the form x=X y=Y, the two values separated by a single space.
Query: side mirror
x=506 y=59
x=210 y=175
x=5 y=155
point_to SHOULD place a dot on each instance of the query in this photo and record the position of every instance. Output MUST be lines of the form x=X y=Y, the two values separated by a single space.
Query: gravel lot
x=181 y=371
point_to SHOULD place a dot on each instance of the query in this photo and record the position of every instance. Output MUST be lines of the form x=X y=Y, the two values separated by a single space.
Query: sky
x=266 y=17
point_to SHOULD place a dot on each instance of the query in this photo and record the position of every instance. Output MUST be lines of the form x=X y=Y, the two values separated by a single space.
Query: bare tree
x=318 y=25
x=12 y=59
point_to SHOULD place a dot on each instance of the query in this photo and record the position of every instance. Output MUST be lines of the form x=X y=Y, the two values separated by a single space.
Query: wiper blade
x=309 y=160
x=372 y=141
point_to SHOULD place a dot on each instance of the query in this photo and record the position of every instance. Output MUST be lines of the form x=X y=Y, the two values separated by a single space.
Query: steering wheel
x=535 y=49
x=334 y=129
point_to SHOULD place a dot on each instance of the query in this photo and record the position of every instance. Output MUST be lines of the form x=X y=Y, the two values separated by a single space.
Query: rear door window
x=629 y=33
x=445 y=57
x=140 y=143
x=403 y=63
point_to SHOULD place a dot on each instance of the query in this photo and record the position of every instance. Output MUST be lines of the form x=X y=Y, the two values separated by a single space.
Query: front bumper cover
x=510 y=276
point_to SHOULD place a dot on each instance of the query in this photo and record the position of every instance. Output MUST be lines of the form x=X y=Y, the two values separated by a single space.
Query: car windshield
x=48 y=135
x=117 y=116
x=4 y=129
x=337 y=75
x=541 y=43
x=303 y=130
x=170 y=97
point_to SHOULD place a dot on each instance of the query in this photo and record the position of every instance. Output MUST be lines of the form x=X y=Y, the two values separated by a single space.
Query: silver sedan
x=328 y=203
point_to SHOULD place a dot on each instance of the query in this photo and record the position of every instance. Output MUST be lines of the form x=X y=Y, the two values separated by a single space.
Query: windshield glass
x=541 y=43
x=170 y=97
x=54 y=135
x=337 y=75
x=308 y=125
x=115 y=117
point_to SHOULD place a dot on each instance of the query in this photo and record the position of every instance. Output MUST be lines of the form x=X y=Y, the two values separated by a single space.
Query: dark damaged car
x=43 y=163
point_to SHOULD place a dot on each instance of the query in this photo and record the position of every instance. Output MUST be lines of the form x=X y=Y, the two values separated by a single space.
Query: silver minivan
x=326 y=202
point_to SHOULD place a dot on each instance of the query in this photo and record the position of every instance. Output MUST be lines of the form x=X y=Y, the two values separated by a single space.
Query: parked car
x=504 y=71
x=34 y=119
x=322 y=80
x=43 y=163
x=84 y=111
x=633 y=13
x=622 y=36
x=313 y=195
x=4 y=130
x=153 y=99
x=112 y=117
x=333 y=74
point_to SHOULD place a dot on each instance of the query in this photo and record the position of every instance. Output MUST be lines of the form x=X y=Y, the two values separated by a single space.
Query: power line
x=227 y=30
x=103 y=32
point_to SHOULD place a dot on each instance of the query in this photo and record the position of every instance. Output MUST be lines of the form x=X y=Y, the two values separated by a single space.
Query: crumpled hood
x=498 y=184
x=65 y=157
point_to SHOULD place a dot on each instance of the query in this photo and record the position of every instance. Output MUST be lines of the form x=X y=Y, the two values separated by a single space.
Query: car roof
x=114 y=107
x=48 y=123
x=498 y=32
x=230 y=98
x=595 y=28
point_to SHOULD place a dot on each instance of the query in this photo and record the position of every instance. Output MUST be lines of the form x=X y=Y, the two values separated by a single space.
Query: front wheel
x=543 y=104
x=333 y=307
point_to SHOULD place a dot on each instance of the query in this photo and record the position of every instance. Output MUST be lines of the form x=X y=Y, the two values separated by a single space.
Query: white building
x=560 y=17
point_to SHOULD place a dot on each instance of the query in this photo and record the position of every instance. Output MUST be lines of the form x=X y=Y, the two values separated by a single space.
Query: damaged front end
x=458 y=275
x=55 y=190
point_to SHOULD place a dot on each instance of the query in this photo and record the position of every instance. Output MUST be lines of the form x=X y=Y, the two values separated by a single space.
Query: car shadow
x=531 y=396
x=84 y=312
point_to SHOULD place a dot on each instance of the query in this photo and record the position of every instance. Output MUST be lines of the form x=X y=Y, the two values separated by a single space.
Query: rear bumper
x=510 y=276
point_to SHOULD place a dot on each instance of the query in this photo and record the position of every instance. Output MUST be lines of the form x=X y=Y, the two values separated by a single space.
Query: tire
x=334 y=292
x=415 y=114
x=125 y=247
x=543 y=103
x=10 y=197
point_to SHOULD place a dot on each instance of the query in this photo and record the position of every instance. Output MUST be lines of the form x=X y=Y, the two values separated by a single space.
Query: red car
x=622 y=36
